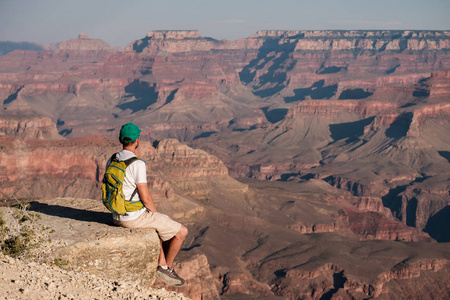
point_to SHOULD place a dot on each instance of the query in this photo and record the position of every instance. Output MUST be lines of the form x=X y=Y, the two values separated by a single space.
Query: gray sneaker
x=170 y=277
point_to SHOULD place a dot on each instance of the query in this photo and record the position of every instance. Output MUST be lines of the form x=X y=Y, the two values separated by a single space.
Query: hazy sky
x=120 y=22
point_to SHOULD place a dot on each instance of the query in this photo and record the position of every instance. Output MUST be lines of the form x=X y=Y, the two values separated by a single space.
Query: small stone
x=51 y=286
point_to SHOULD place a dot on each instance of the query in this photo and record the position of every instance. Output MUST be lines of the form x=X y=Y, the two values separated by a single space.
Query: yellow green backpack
x=112 y=187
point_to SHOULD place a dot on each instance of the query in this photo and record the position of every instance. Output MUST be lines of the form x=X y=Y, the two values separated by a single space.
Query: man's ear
x=137 y=143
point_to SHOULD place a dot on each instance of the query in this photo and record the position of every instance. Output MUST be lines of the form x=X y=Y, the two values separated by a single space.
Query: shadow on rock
x=72 y=213
x=438 y=226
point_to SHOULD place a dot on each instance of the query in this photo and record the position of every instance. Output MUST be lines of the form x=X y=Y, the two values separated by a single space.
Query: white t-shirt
x=134 y=174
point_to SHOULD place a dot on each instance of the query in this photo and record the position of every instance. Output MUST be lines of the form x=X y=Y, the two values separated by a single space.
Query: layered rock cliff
x=84 y=43
x=31 y=127
x=190 y=85
x=314 y=279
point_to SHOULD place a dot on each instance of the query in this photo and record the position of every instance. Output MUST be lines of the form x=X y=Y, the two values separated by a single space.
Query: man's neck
x=131 y=149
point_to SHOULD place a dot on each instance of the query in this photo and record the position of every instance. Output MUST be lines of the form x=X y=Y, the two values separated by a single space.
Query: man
x=169 y=231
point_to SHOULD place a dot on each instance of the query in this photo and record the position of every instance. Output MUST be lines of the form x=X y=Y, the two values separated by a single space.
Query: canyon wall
x=188 y=85
x=355 y=122
x=277 y=105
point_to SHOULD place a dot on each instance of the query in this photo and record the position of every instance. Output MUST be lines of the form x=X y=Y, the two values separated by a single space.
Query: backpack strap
x=134 y=193
x=130 y=160
x=113 y=158
x=127 y=163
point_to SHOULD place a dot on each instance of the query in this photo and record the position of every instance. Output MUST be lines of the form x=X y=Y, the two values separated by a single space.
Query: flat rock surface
x=77 y=220
x=75 y=227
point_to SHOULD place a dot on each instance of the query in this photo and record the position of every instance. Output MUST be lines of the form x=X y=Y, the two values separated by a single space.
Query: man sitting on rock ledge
x=148 y=217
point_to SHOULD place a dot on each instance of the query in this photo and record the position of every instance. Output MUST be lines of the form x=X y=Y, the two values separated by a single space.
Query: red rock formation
x=242 y=283
x=333 y=108
x=49 y=168
x=314 y=228
x=343 y=281
x=84 y=43
x=371 y=225
x=28 y=127
x=185 y=162
x=358 y=188
x=199 y=281
x=405 y=270
x=178 y=41
x=76 y=160
x=421 y=200
x=211 y=79
x=322 y=39
x=415 y=286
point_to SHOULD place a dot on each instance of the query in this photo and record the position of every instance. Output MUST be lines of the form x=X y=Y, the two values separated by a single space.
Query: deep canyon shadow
x=393 y=201
x=11 y=97
x=338 y=283
x=317 y=91
x=274 y=115
x=355 y=94
x=144 y=94
x=141 y=44
x=349 y=130
x=445 y=154
x=400 y=127
x=330 y=70
x=277 y=58
x=438 y=225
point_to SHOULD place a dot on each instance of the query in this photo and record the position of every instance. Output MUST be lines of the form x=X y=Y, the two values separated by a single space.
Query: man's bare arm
x=145 y=197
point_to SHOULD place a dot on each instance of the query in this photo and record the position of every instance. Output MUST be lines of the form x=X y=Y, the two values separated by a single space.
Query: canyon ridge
x=306 y=164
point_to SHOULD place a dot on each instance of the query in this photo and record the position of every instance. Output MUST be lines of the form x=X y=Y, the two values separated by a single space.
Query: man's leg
x=163 y=224
x=166 y=257
x=162 y=257
x=174 y=246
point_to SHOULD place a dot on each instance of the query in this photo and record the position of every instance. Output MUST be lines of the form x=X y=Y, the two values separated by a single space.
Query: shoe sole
x=168 y=280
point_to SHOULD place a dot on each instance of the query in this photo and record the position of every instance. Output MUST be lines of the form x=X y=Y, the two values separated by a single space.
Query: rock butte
x=349 y=130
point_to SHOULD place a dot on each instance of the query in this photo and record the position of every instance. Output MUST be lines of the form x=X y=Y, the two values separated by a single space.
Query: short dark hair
x=126 y=142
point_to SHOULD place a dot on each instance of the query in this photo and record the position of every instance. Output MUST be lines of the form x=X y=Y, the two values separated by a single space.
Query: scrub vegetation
x=20 y=231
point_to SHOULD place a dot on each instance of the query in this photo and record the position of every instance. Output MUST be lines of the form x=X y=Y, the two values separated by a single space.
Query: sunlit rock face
x=29 y=127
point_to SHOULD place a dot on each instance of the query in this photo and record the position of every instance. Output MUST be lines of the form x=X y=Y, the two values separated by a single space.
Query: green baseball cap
x=129 y=133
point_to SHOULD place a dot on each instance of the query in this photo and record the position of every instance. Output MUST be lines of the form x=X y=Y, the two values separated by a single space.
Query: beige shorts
x=165 y=226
